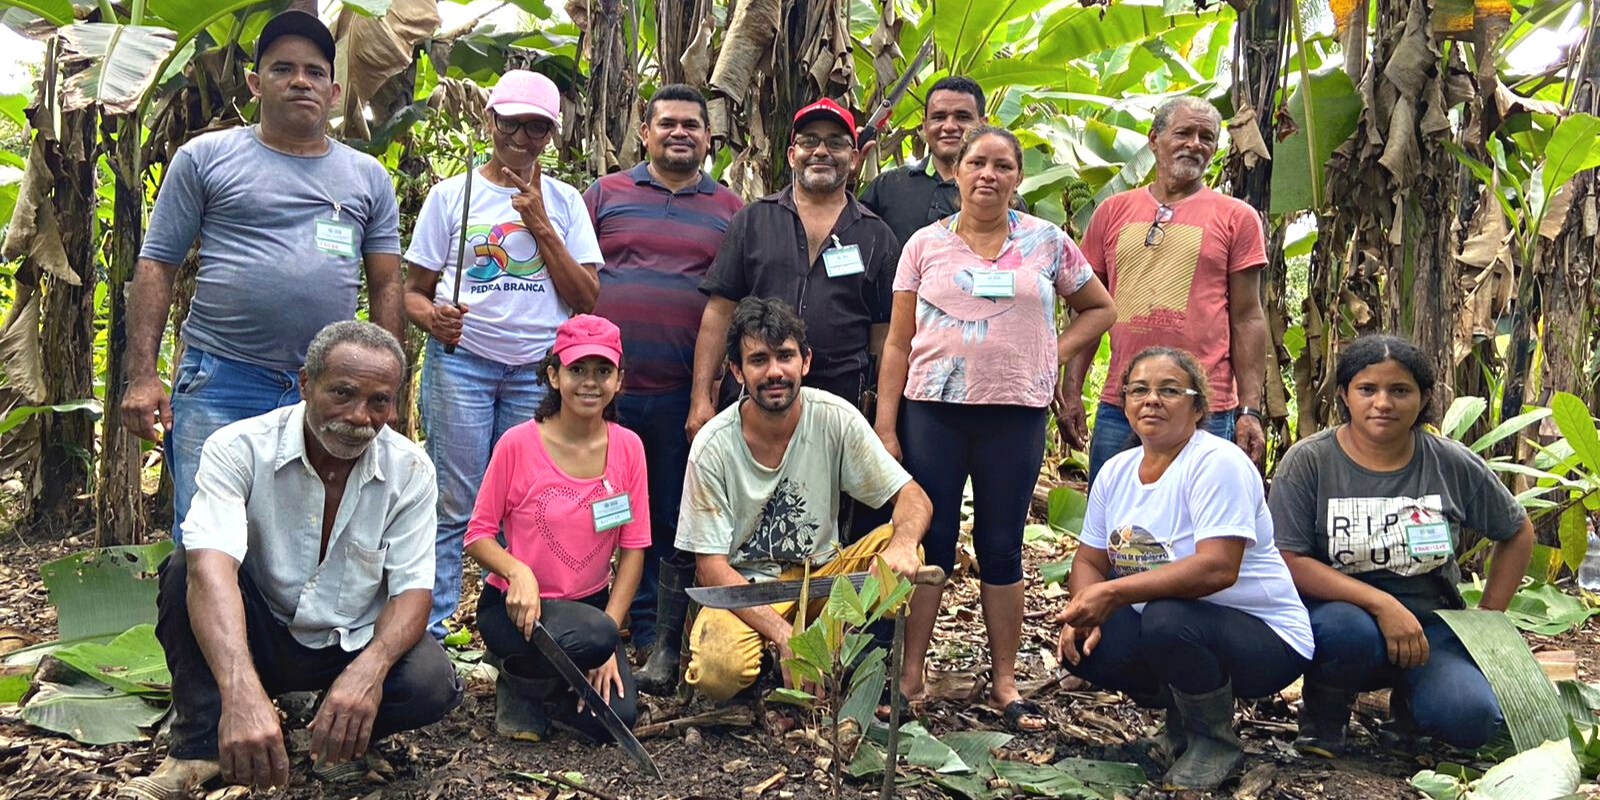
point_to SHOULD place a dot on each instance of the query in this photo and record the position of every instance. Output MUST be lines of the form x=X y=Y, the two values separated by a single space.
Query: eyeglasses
x=835 y=144
x=1167 y=394
x=1156 y=233
x=534 y=128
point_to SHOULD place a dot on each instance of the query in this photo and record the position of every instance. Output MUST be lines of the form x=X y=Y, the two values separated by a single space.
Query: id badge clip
x=994 y=283
x=842 y=260
x=335 y=237
x=1429 y=540
x=613 y=511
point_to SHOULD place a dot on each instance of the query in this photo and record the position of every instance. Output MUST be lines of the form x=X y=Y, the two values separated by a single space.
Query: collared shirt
x=658 y=244
x=764 y=255
x=911 y=197
x=259 y=500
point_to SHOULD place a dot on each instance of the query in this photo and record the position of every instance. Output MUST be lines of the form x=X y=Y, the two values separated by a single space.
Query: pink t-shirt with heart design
x=548 y=515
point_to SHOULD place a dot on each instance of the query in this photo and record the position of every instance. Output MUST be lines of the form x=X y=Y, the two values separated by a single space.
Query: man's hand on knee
x=250 y=742
x=343 y=726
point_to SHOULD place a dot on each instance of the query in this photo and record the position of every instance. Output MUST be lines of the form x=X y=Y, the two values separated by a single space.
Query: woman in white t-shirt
x=1179 y=596
x=531 y=262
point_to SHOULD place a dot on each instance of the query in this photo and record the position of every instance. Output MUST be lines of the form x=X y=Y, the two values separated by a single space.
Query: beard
x=675 y=162
x=779 y=404
x=1186 y=170
x=343 y=440
x=818 y=184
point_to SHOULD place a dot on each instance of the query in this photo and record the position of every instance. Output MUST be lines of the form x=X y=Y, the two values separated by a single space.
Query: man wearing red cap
x=288 y=222
x=531 y=263
x=814 y=246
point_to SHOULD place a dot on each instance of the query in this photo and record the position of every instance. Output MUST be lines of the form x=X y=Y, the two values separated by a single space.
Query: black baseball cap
x=295 y=22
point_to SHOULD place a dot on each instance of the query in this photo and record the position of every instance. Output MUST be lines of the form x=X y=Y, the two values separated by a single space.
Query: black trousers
x=1193 y=646
x=585 y=634
x=419 y=690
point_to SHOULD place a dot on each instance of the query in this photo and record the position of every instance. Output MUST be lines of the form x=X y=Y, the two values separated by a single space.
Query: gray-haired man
x=307 y=564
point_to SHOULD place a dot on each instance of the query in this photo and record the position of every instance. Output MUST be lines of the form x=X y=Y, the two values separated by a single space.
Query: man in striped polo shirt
x=660 y=225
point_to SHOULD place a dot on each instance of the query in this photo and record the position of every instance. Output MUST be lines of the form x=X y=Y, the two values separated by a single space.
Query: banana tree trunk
x=1570 y=260
x=611 y=111
x=67 y=341
x=119 y=502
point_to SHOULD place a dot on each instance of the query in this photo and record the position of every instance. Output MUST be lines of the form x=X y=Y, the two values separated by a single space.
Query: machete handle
x=928 y=575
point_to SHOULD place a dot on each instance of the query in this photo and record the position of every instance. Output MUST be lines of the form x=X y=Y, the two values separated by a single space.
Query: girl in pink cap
x=567 y=491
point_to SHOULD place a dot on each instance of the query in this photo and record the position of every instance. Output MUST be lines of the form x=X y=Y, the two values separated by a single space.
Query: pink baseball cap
x=588 y=335
x=520 y=93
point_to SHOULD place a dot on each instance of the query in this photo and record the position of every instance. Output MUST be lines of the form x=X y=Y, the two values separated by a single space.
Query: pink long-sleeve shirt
x=547 y=514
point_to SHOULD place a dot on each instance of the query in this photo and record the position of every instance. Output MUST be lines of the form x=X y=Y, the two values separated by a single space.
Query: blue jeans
x=659 y=420
x=1448 y=696
x=209 y=393
x=467 y=403
x=1112 y=434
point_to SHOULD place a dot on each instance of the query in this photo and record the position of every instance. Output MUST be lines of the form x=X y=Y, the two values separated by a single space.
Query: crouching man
x=762 y=491
x=307 y=564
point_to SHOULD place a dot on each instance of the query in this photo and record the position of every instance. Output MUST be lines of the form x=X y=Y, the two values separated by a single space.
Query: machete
x=768 y=592
x=461 y=247
x=892 y=99
x=591 y=699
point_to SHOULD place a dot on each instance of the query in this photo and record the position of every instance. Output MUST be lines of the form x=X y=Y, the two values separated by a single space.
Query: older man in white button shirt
x=307 y=564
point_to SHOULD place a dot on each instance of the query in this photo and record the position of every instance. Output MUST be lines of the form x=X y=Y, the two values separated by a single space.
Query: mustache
x=348 y=431
x=775 y=383
x=822 y=160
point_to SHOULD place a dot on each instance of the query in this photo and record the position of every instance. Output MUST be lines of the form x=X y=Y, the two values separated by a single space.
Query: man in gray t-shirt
x=288 y=221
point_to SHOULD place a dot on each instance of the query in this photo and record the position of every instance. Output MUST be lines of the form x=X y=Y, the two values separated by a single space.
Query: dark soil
x=461 y=758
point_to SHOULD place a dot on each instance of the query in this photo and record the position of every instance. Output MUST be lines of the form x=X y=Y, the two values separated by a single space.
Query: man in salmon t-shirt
x=1183 y=263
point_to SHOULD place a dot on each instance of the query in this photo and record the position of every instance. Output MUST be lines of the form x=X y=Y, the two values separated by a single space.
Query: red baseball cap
x=825 y=109
x=588 y=335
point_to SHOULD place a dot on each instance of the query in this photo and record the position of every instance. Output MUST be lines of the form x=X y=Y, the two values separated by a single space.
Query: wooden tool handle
x=929 y=575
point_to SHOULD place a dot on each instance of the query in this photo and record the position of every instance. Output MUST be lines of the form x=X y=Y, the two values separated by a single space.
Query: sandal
x=1019 y=710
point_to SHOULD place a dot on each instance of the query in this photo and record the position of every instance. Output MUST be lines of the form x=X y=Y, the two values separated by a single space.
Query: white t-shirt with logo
x=1211 y=490
x=513 y=306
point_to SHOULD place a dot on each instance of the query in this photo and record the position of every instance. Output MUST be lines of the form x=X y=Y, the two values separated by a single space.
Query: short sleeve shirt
x=766 y=520
x=547 y=516
x=1174 y=293
x=282 y=238
x=764 y=255
x=514 y=309
x=657 y=244
x=259 y=500
x=1366 y=524
x=991 y=350
x=1211 y=490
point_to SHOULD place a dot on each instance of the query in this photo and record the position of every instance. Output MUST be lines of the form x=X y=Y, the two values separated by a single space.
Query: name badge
x=842 y=261
x=994 y=283
x=611 y=512
x=1431 y=540
x=336 y=238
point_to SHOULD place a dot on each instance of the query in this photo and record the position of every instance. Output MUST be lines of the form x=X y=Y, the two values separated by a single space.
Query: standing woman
x=973 y=349
x=569 y=491
x=1369 y=516
x=1179 y=596
x=532 y=262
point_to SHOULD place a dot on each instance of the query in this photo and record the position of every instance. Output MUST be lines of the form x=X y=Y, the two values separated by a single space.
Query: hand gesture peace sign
x=529 y=201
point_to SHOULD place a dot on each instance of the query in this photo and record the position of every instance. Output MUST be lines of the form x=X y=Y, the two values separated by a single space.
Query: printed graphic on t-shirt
x=505 y=259
x=786 y=531
x=1153 y=282
x=1133 y=550
x=1369 y=533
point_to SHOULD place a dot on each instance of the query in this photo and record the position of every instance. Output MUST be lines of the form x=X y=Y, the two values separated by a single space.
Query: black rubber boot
x=659 y=675
x=1215 y=752
x=1324 y=719
x=520 y=695
x=1169 y=741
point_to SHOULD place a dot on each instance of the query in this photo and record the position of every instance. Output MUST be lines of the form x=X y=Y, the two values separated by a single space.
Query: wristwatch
x=1248 y=411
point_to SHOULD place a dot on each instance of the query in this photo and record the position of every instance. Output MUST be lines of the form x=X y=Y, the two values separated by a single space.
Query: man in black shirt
x=910 y=197
x=817 y=248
